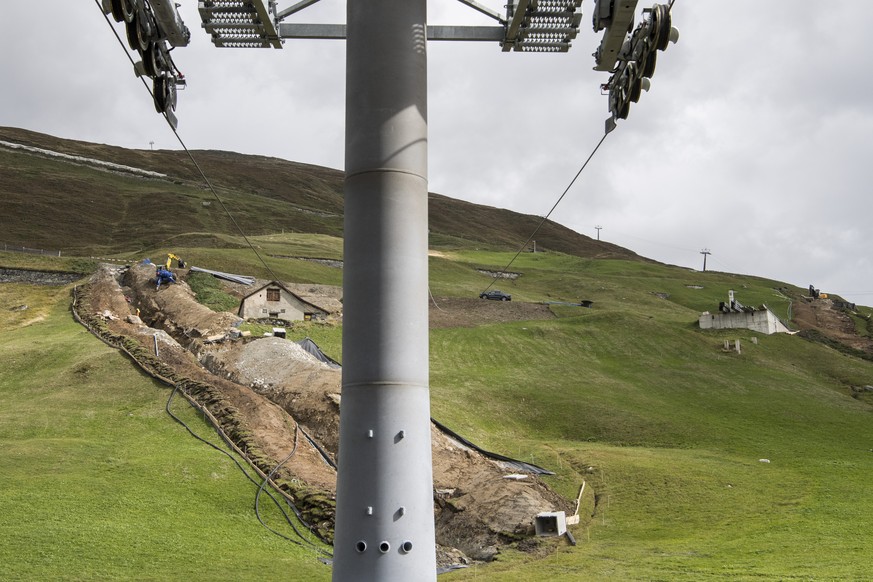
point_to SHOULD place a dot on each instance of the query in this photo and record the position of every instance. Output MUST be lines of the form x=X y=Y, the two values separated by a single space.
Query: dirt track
x=265 y=386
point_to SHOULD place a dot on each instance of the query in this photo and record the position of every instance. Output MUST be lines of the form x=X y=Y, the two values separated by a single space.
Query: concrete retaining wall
x=763 y=321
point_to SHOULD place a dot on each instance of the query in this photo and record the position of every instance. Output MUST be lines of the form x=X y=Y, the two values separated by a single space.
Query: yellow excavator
x=179 y=262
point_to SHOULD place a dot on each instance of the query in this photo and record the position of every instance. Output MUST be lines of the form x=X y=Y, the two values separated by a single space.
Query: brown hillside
x=826 y=320
x=75 y=207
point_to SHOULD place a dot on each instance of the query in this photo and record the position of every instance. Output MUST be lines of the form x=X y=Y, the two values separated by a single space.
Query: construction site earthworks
x=278 y=405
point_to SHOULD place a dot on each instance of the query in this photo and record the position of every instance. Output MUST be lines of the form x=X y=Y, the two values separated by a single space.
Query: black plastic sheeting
x=311 y=347
x=520 y=466
x=514 y=464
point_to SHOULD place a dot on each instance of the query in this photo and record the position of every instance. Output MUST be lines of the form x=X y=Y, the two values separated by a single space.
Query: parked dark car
x=495 y=295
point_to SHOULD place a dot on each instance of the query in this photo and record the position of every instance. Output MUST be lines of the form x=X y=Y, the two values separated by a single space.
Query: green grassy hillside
x=100 y=484
x=669 y=429
x=630 y=396
x=705 y=464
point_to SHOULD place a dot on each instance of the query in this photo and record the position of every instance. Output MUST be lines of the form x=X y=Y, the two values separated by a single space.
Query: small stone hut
x=275 y=301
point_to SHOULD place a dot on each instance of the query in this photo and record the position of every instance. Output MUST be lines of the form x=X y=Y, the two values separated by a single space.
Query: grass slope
x=666 y=428
x=670 y=430
x=54 y=204
x=99 y=482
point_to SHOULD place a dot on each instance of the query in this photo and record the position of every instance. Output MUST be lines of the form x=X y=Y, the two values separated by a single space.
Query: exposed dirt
x=265 y=386
x=284 y=373
x=822 y=315
x=464 y=312
x=272 y=428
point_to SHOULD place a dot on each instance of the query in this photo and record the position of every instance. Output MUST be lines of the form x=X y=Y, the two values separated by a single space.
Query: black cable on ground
x=272 y=274
x=261 y=486
x=203 y=440
x=210 y=419
x=324 y=456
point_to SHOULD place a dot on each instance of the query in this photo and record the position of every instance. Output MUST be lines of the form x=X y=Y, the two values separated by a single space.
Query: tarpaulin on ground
x=311 y=347
x=507 y=461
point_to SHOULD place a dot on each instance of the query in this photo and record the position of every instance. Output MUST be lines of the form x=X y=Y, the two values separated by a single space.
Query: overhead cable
x=546 y=217
x=190 y=155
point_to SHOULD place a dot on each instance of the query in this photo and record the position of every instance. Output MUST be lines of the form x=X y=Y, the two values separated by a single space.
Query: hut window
x=272 y=294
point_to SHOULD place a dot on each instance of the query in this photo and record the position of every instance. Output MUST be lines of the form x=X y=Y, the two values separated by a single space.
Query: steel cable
x=188 y=152
x=546 y=217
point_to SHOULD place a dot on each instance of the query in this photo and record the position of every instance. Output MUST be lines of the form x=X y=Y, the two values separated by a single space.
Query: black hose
x=175 y=386
x=261 y=486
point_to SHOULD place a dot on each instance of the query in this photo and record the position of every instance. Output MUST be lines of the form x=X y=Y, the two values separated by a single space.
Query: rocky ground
x=270 y=391
x=822 y=315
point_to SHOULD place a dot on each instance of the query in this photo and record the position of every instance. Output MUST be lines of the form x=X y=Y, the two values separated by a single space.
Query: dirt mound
x=265 y=386
x=285 y=373
x=262 y=428
x=478 y=508
x=481 y=505
x=822 y=315
x=174 y=308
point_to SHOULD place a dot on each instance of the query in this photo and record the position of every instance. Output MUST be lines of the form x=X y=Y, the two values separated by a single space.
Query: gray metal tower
x=705 y=252
x=384 y=521
x=384 y=524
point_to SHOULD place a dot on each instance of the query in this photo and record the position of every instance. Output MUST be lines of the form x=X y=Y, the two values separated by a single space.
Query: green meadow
x=100 y=483
x=705 y=464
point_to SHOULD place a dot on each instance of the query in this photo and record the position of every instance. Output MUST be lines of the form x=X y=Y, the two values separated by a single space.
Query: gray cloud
x=754 y=140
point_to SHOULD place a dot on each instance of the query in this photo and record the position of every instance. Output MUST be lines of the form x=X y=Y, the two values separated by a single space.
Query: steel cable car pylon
x=384 y=517
x=384 y=524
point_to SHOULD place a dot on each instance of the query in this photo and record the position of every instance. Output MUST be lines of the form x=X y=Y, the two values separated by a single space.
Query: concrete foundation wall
x=761 y=321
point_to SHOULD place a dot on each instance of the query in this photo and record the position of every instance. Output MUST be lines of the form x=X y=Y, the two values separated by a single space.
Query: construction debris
x=263 y=386
x=242 y=279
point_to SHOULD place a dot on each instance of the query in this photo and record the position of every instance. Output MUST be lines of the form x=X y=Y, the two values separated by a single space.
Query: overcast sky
x=755 y=142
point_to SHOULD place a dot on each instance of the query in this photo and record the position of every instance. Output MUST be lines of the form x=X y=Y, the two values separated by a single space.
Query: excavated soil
x=834 y=323
x=270 y=391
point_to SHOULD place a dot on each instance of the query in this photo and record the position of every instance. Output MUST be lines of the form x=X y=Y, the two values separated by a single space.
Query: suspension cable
x=546 y=217
x=261 y=486
x=188 y=152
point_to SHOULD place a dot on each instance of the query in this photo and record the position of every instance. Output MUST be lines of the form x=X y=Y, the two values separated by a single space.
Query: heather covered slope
x=81 y=208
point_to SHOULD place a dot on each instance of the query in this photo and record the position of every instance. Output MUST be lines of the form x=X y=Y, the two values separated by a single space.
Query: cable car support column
x=384 y=524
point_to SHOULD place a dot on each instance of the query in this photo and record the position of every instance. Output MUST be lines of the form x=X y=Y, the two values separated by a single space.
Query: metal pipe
x=439 y=32
x=384 y=522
